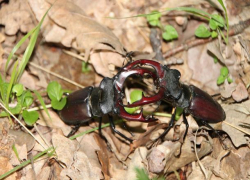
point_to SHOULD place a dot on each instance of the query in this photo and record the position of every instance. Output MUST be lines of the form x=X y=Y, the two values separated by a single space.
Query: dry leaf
x=205 y=71
x=55 y=123
x=16 y=16
x=23 y=138
x=80 y=31
x=80 y=169
x=5 y=166
x=187 y=153
x=65 y=148
x=236 y=115
x=240 y=93
x=136 y=162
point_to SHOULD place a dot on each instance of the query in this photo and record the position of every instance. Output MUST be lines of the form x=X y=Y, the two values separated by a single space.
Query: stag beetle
x=193 y=100
x=90 y=102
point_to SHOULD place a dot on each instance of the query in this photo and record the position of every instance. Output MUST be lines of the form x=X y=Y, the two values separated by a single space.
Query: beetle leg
x=100 y=128
x=112 y=124
x=205 y=123
x=186 y=123
x=73 y=130
x=170 y=125
x=125 y=127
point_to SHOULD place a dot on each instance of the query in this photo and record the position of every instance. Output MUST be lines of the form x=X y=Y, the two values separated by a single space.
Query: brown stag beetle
x=90 y=102
x=191 y=99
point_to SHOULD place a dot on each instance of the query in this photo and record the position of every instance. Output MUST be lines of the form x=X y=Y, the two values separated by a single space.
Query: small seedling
x=55 y=93
x=224 y=75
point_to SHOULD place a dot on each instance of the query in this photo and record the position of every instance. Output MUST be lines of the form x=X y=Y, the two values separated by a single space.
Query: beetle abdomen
x=204 y=107
x=77 y=109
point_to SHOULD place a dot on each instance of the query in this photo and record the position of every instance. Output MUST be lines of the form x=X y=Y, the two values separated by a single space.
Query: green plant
x=224 y=75
x=85 y=67
x=216 y=23
x=135 y=95
x=55 y=93
x=141 y=174
x=12 y=91
x=168 y=32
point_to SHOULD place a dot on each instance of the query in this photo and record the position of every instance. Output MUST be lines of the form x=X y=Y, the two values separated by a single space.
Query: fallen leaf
x=80 y=169
x=186 y=154
x=23 y=138
x=5 y=166
x=64 y=148
x=240 y=93
x=80 y=31
x=16 y=16
x=136 y=162
x=56 y=122
x=238 y=119
x=6 y=140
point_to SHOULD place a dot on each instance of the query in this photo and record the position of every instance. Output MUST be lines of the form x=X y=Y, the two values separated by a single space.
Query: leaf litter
x=90 y=157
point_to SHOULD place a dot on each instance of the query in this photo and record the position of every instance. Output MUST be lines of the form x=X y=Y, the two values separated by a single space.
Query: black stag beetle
x=90 y=102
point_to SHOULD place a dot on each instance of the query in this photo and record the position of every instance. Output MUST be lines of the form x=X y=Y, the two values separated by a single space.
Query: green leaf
x=30 y=47
x=54 y=90
x=85 y=67
x=4 y=88
x=229 y=80
x=194 y=11
x=215 y=59
x=16 y=152
x=12 y=79
x=141 y=174
x=154 y=18
x=212 y=24
x=135 y=95
x=226 y=16
x=154 y=23
x=14 y=110
x=26 y=99
x=220 y=79
x=58 y=105
x=214 y=34
x=31 y=117
x=18 y=89
x=179 y=111
x=224 y=71
x=1 y=87
x=170 y=33
x=219 y=20
x=39 y=97
x=154 y=15
x=202 y=32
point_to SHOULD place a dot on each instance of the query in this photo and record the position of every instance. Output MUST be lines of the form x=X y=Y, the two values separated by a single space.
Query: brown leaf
x=136 y=162
x=240 y=93
x=237 y=115
x=78 y=31
x=5 y=166
x=16 y=16
x=80 y=168
x=22 y=138
x=65 y=148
